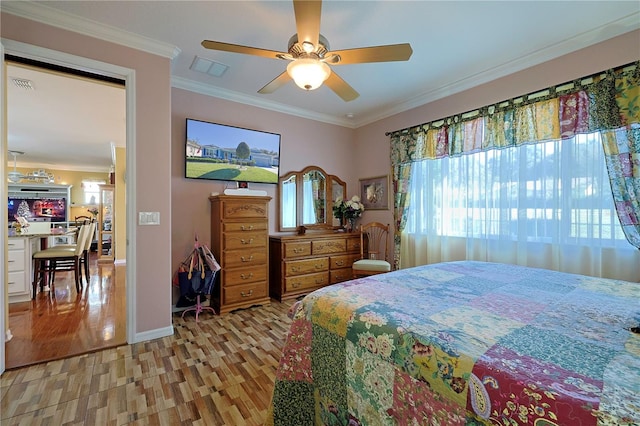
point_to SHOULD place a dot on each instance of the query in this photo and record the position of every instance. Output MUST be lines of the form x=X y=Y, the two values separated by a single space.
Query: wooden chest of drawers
x=300 y=264
x=239 y=236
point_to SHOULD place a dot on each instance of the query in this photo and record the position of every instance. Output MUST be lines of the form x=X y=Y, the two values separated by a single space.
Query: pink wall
x=153 y=154
x=370 y=140
x=303 y=142
x=350 y=154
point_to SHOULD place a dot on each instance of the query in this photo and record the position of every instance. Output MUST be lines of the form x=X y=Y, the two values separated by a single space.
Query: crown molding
x=56 y=18
x=217 y=92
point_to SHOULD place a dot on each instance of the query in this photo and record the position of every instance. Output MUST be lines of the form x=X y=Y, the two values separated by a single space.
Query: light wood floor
x=219 y=371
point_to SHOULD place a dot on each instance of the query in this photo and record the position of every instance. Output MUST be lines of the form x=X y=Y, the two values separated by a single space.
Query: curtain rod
x=582 y=81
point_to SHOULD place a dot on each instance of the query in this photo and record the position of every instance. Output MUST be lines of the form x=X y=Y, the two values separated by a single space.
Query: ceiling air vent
x=22 y=83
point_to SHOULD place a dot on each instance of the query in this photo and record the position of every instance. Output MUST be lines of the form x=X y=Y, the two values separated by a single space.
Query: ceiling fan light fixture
x=308 y=73
x=308 y=47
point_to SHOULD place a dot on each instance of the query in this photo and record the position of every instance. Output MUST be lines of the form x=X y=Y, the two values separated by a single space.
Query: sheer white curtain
x=308 y=204
x=546 y=205
x=288 y=200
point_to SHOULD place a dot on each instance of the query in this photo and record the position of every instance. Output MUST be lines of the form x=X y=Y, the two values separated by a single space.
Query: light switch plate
x=148 y=218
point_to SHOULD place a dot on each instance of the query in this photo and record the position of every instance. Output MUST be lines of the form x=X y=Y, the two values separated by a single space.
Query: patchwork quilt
x=463 y=343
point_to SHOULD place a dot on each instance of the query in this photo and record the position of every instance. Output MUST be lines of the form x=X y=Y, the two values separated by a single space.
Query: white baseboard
x=153 y=334
x=120 y=262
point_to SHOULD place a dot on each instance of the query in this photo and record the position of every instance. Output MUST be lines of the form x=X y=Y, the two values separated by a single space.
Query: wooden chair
x=374 y=237
x=81 y=220
x=54 y=259
x=84 y=262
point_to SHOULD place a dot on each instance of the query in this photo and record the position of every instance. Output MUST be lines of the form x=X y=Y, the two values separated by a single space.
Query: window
x=549 y=192
x=91 y=190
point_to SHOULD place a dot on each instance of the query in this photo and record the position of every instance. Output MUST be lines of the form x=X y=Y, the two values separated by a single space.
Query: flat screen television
x=221 y=152
x=38 y=209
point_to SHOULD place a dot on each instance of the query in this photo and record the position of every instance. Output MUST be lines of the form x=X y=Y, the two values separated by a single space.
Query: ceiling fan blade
x=275 y=84
x=308 y=20
x=237 y=48
x=388 y=53
x=341 y=87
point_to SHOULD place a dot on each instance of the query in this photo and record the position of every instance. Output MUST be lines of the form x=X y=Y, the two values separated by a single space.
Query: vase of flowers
x=348 y=212
x=93 y=211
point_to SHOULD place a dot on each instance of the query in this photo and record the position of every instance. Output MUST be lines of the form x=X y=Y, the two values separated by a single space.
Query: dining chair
x=81 y=220
x=46 y=262
x=373 y=250
x=84 y=261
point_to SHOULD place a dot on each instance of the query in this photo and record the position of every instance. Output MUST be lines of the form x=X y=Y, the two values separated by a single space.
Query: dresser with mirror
x=312 y=251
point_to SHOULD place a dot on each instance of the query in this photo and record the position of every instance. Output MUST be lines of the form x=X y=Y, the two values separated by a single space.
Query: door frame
x=102 y=68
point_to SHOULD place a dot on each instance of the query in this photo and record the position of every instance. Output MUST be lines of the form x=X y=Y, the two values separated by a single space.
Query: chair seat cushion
x=53 y=252
x=372 y=265
x=64 y=247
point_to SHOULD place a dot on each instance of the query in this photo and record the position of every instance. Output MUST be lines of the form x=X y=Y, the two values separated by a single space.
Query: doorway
x=54 y=57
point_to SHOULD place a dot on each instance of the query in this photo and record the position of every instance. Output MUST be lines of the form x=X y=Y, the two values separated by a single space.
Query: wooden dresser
x=300 y=264
x=239 y=236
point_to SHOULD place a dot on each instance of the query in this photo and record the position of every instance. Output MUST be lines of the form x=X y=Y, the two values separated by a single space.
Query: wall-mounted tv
x=221 y=152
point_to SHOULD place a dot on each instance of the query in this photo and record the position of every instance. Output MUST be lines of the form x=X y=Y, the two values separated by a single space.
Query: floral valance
x=606 y=101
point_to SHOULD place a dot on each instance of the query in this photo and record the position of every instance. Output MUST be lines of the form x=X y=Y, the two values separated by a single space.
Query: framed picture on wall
x=374 y=193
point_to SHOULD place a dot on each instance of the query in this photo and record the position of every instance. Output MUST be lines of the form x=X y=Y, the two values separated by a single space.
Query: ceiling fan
x=310 y=54
x=15 y=176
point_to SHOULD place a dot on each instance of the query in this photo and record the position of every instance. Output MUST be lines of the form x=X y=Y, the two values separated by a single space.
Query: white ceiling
x=456 y=45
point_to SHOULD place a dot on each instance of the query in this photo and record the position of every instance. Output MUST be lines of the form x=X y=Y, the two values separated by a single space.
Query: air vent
x=207 y=66
x=22 y=83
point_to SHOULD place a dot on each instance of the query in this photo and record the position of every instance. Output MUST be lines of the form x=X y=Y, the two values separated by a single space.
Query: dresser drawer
x=16 y=244
x=16 y=283
x=301 y=267
x=245 y=275
x=244 y=240
x=244 y=292
x=15 y=260
x=297 y=249
x=343 y=261
x=244 y=258
x=353 y=244
x=339 y=275
x=244 y=209
x=304 y=282
x=246 y=226
x=336 y=245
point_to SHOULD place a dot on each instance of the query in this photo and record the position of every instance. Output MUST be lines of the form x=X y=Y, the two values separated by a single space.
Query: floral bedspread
x=463 y=343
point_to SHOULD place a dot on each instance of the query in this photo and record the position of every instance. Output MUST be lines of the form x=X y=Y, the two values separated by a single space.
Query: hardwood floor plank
x=61 y=323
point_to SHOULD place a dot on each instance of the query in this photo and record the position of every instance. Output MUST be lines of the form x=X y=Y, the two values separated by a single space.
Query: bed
x=463 y=343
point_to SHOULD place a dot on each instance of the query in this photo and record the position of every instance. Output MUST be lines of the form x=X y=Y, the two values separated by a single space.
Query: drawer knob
x=319 y=280
x=249 y=241
x=296 y=285
x=246 y=277
x=247 y=228
x=245 y=259
x=297 y=250
x=295 y=268
x=318 y=265
x=340 y=263
x=243 y=294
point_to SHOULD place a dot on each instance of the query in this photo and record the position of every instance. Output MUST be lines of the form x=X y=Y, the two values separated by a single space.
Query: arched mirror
x=306 y=198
